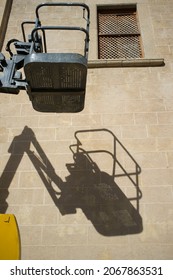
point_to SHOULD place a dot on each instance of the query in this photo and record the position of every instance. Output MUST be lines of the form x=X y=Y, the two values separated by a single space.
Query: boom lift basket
x=55 y=82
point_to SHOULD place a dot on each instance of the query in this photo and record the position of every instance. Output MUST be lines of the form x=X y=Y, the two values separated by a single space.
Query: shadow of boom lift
x=86 y=187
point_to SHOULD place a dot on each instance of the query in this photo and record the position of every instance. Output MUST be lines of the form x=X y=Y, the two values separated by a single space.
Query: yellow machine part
x=9 y=238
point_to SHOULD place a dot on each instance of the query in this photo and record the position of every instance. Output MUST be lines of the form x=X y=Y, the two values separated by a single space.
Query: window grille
x=118 y=34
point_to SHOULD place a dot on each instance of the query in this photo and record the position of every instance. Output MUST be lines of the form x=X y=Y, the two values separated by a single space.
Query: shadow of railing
x=101 y=199
x=87 y=187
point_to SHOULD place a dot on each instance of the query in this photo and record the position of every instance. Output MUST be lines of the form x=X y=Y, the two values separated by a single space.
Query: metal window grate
x=118 y=34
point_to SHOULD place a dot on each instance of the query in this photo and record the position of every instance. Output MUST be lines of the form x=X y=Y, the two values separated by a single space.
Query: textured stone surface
x=55 y=191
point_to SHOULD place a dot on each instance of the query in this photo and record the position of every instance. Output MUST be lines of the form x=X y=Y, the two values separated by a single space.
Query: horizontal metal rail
x=43 y=28
x=59 y=28
x=62 y=4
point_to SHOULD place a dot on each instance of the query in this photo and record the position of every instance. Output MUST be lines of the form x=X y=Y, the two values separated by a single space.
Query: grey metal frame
x=11 y=80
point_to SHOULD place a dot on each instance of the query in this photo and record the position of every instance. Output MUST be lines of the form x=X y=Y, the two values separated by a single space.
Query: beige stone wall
x=2 y=6
x=136 y=105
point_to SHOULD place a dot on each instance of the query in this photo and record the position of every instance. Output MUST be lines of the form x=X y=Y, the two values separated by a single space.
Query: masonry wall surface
x=36 y=166
x=2 y=6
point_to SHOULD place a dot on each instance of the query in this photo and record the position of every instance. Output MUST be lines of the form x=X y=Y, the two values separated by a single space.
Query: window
x=118 y=33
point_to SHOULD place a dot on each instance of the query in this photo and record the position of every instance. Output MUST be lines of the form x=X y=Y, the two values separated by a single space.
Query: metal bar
x=43 y=28
x=60 y=28
x=62 y=4
x=44 y=40
x=23 y=30
x=82 y=5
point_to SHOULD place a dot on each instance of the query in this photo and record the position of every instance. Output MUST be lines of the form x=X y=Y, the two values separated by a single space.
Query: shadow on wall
x=88 y=187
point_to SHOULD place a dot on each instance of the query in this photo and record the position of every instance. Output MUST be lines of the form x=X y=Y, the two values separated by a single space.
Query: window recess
x=118 y=33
